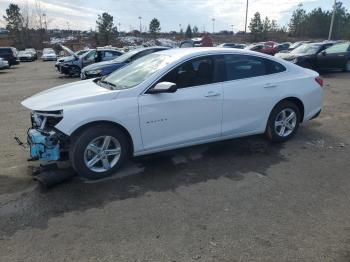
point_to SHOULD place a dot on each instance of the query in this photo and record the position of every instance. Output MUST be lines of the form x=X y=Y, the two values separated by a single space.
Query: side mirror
x=163 y=87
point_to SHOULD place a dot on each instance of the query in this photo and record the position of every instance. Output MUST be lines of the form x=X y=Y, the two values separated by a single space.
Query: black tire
x=347 y=67
x=84 y=138
x=74 y=71
x=271 y=127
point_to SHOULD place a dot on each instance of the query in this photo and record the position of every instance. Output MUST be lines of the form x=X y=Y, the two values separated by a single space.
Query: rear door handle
x=211 y=94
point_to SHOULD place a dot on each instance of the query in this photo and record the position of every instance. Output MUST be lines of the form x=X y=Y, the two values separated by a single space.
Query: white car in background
x=171 y=99
x=4 y=64
x=49 y=55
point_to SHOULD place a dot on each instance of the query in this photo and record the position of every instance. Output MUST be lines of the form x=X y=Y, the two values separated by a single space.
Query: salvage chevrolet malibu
x=171 y=99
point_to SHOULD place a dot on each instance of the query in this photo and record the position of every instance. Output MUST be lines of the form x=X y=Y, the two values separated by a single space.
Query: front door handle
x=211 y=94
x=270 y=86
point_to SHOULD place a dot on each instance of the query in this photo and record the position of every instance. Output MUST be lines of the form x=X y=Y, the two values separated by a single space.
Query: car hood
x=66 y=59
x=58 y=98
x=69 y=51
x=288 y=56
x=101 y=65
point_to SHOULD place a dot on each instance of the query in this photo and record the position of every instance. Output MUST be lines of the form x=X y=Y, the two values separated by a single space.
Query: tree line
x=303 y=24
x=28 y=26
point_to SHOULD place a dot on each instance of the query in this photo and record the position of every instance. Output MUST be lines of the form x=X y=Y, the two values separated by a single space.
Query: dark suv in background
x=9 y=54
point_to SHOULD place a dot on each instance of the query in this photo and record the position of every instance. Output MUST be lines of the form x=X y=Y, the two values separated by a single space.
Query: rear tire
x=283 y=122
x=98 y=151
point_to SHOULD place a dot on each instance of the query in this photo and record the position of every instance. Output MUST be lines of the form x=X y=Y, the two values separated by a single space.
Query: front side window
x=90 y=56
x=196 y=72
x=245 y=66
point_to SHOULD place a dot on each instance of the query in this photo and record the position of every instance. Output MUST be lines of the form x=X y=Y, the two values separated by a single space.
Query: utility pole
x=332 y=21
x=246 y=17
x=213 y=19
x=232 y=30
x=140 y=24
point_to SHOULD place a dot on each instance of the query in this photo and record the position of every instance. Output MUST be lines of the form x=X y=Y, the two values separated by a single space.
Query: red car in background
x=264 y=47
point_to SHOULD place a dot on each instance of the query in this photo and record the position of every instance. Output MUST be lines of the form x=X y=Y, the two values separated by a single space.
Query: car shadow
x=160 y=172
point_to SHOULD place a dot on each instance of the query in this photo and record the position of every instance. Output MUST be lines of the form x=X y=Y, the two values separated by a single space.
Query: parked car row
x=326 y=55
x=320 y=56
x=75 y=62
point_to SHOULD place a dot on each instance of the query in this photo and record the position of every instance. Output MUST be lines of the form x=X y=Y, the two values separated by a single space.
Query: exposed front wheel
x=283 y=122
x=99 y=151
x=74 y=71
x=347 y=66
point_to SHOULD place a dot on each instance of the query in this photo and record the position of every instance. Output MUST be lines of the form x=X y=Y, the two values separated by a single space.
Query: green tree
x=256 y=26
x=298 y=21
x=154 y=26
x=13 y=18
x=188 y=32
x=14 y=23
x=195 y=30
x=105 y=28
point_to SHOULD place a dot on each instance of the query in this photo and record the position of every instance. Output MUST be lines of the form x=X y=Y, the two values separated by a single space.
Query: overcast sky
x=82 y=14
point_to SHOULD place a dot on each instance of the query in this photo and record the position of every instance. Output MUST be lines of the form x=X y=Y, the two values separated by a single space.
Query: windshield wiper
x=103 y=83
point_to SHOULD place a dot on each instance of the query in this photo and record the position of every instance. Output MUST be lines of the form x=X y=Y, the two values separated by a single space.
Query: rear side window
x=274 y=67
x=245 y=66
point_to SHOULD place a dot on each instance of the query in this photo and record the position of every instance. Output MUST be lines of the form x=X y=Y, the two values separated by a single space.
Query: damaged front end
x=45 y=141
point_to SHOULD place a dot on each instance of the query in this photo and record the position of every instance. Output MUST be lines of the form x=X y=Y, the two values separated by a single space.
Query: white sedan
x=49 y=55
x=168 y=100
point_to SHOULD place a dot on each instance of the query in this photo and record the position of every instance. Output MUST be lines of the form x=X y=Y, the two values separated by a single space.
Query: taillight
x=319 y=80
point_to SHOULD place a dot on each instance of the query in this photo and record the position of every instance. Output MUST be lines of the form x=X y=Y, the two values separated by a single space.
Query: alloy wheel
x=102 y=153
x=285 y=122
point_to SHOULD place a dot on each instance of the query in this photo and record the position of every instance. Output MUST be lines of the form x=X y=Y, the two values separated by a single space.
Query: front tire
x=98 y=151
x=74 y=71
x=347 y=66
x=283 y=122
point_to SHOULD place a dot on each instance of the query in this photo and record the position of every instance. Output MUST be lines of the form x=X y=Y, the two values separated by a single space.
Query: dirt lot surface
x=237 y=200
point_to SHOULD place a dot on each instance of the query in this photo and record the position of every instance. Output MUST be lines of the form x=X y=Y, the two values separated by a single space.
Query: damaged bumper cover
x=46 y=143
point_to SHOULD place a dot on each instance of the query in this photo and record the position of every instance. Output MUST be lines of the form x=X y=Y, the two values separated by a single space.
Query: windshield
x=126 y=56
x=81 y=52
x=308 y=49
x=138 y=71
x=296 y=44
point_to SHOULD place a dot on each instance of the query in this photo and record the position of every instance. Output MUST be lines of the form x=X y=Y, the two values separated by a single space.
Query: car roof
x=197 y=51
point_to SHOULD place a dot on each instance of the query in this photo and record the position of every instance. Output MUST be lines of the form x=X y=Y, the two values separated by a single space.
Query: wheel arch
x=297 y=102
x=108 y=123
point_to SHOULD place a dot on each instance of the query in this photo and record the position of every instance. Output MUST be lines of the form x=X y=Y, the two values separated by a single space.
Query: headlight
x=94 y=72
x=46 y=119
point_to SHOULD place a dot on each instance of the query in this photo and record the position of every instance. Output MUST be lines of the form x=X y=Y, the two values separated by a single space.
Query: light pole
x=180 y=28
x=140 y=24
x=213 y=19
x=45 y=23
x=232 y=29
x=246 y=17
x=332 y=21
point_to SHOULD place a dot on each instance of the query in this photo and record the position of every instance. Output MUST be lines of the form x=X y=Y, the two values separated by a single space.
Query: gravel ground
x=237 y=200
